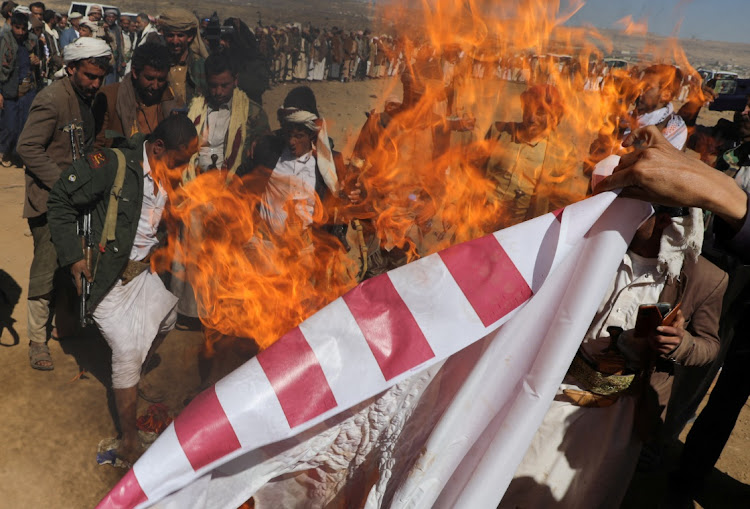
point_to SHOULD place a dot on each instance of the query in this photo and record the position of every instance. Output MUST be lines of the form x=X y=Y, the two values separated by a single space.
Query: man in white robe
x=128 y=302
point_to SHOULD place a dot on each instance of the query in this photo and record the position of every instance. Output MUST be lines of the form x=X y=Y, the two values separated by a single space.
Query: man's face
x=87 y=78
x=125 y=24
x=150 y=84
x=298 y=140
x=536 y=118
x=742 y=121
x=651 y=97
x=168 y=165
x=62 y=23
x=37 y=12
x=84 y=31
x=19 y=31
x=75 y=22
x=179 y=159
x=177 y=43
x=220 y=88
x=651 y=229
x=95 y=16
x=110 y=19
x=141 y=24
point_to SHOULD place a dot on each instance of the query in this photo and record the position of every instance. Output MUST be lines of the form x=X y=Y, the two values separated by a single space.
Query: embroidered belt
x=597 y=382
x=133 y=269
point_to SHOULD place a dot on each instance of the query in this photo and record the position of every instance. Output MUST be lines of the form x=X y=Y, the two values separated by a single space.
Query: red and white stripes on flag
x=529 y=292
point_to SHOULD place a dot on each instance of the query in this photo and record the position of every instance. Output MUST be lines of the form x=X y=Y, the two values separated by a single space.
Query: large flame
x=423 y=172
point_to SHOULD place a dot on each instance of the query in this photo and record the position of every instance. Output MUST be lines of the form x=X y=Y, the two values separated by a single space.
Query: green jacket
x=88 y=183
x=196 y=76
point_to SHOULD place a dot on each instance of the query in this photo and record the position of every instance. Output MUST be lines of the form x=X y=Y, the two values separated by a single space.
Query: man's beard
x=149 y=98
x=87 y=93
x=177 y=50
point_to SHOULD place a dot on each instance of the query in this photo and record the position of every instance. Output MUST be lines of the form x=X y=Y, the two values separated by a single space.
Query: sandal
x=39 y=353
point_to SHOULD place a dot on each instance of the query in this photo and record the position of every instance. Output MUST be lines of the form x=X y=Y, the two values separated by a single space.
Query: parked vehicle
x=732 y=96
x=710 y=74
x=85 y=7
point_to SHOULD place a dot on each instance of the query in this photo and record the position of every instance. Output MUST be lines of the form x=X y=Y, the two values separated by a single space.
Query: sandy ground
x=52 y=422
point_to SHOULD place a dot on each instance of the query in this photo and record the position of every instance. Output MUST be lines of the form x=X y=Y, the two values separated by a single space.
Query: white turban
x=86 y=47
x=323 y=152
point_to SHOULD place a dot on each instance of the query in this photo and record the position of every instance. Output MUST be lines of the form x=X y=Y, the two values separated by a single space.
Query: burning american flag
x=507 y=311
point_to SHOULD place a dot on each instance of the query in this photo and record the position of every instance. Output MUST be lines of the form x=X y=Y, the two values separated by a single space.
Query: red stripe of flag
x=390 y=330
x=488 y=277
x=204 y=431
x=127 y=493
x=297 y=378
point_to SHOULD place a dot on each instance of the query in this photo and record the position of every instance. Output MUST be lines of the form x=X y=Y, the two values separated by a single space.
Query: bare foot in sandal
x=129 y=451
x=39 y=356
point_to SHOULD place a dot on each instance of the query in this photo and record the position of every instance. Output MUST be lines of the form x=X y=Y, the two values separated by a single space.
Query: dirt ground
x=53 y=421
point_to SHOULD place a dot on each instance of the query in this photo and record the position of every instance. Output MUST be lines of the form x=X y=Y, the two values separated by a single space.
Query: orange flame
x=464 y=151
x=631 y=27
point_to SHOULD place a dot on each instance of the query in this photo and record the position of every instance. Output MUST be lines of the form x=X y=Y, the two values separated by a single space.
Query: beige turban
x=178 y=20
x=86 y=47
x=181 y=20
x=91 y=24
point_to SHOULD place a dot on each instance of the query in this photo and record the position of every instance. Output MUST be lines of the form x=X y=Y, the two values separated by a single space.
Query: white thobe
x=292 y=180
x=130 y=316
x=214 y=136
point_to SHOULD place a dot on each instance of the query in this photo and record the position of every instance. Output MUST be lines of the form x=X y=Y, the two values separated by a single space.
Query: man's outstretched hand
x=659 y=173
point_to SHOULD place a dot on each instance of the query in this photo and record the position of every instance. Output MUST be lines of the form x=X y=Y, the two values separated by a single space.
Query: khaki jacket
x=115 y=109
x=44 y=146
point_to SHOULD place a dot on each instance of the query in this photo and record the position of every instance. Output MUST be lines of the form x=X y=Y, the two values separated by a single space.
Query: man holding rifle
x=126 y=191
x=62 y=109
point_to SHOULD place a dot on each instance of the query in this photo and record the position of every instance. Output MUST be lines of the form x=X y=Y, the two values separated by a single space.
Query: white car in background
x=85 y=7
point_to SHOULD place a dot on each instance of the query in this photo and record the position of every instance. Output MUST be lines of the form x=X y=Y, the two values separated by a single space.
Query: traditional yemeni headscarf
x=86 y=47
x=300 y=107
x=91 y=24
x=681 y=240
x=176 y=19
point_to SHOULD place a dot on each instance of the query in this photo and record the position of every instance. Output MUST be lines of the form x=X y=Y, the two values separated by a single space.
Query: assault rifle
x=77 y=146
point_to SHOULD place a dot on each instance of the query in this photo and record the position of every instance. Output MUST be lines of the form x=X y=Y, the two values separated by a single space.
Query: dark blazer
x=44 y=146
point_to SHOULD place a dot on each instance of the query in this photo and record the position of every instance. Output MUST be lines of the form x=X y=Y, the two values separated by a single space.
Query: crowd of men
x=109 y=116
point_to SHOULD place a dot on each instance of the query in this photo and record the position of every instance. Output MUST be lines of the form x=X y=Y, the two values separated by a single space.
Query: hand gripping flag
x=421 y=387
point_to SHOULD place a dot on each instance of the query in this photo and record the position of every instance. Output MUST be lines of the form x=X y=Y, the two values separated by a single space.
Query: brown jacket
x=700 y=289
x=115 y=109
x=44 y=146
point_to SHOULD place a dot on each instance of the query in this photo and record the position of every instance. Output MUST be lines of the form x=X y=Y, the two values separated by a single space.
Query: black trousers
x=715 y=423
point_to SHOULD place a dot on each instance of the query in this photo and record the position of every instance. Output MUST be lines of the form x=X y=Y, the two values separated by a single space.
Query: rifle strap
x=110 y=219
